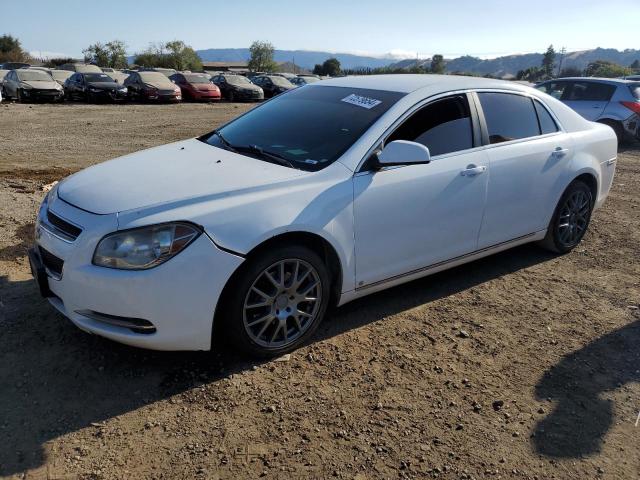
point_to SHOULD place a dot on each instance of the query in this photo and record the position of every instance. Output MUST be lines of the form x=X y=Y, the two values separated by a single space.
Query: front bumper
x=174 y=302
x=205 y=95
x=108 y=95
x=40 y=95
x=253 y=95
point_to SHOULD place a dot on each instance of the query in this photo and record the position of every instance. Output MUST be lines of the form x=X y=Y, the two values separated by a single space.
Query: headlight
x=94 y=90
x=123 y=89
x=143 y=248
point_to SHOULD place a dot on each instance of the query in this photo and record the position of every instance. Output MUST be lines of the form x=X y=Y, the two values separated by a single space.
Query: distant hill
x=511 y=64
x=303 y=58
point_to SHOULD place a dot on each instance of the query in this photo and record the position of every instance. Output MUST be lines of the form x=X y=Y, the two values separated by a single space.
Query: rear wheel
x=277 y=301
x=570 y=219
x=19 y=96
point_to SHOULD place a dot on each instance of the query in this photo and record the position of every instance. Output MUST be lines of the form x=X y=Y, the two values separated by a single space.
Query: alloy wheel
x=573 y=218
x=282 y=303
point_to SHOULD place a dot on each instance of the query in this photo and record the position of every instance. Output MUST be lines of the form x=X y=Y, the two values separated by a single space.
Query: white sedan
x=322 y=195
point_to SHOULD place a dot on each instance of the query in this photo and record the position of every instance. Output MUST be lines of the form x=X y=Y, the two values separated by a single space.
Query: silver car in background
x=614 y=102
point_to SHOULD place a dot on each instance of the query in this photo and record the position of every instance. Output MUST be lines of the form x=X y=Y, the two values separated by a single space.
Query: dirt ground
x=521 y=365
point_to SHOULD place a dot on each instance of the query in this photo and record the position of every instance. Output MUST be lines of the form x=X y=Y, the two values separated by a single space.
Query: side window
x=443 y=126
x=591 y=92
x=508 y=116
x=555 y=89
x=547 y=123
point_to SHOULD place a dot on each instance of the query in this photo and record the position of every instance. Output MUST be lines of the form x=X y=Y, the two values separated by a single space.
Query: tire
x=19 y=96
x=570 y=219
x=617 y=128
x=266 y=314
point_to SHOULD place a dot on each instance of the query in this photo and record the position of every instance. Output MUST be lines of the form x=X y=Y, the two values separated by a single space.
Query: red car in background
x=196 y=86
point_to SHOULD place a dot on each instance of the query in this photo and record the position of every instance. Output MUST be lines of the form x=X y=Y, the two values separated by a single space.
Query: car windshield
x=635 y=90
x=237 y=80
x=155 y=77
x=308 y=127
x=195 y=78
x=33 y=76
x=61 y=74
x=280 y=81
x=97 y=77
x=309 y=79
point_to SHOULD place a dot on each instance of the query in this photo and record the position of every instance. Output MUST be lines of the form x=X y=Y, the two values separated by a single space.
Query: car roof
x=407 y=83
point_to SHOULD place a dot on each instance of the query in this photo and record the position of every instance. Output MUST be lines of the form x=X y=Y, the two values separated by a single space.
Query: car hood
x=104 y=85
x=178 y=171
x=41 y=84
x=168 y=85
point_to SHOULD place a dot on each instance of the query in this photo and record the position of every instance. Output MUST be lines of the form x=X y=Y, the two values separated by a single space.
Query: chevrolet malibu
x=318 y=197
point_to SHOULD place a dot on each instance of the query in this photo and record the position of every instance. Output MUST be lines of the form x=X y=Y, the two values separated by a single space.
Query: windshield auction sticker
x=364 y=102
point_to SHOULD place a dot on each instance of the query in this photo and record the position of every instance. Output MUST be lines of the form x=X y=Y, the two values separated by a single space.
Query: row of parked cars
x=91 y=83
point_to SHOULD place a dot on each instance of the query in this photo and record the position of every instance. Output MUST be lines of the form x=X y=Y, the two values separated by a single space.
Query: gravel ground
x=520 y=365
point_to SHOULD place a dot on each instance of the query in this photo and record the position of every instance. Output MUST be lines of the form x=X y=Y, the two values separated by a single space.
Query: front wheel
x=277 y=301
x=570 y=219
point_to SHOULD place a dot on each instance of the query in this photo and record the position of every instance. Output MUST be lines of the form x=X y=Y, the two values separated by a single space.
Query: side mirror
x=402 y=152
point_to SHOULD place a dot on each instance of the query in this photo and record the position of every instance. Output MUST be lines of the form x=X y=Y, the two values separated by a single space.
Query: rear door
x=588 y=98
x=529 y=156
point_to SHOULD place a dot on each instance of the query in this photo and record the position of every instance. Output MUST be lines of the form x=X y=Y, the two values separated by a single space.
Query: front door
x=407 y=218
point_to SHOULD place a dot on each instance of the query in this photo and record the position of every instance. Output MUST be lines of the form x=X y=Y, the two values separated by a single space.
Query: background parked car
x=237 y=87
x=118 y=76
x=3 y=73
x=154 y=86
x=300 y=81
x=613 y=102
x=167 y=72
x=196 y=86
x=61 y=76
x=93 y=87
x=80 y=67
x=273 y=85
x=15 y=65
x=27 y=84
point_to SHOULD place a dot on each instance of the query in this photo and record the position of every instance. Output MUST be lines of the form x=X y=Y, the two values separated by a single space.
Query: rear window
x=589 y=91
x=635 y=90
x=508 y=116
x=547 y=123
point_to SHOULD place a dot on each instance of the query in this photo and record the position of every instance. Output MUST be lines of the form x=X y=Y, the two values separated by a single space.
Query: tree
x=635 y=65
x=181 y=56
x=606 y=69
x=531 y=74
x=175 y=54
x=571 y=72
x=437 y=64
x=549 y=62
x=11 y=50
x=113 y=54
x=261 y=57
x=330 y=67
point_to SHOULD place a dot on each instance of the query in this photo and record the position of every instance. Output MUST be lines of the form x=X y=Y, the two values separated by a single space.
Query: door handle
x=560 y=152
x=472 y=171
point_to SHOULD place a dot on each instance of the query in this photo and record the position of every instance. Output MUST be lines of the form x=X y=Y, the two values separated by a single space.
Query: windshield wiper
x=224 y=141
x=274 y=157
x=255 y=149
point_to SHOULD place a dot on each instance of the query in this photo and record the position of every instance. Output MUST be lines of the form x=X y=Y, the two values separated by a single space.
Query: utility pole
x=563 y=51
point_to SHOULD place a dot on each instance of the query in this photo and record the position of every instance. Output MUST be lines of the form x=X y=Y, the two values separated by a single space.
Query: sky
x=400 y=28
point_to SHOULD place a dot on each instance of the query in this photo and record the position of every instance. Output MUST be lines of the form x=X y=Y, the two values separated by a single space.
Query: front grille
x=51 y=262
x=70 y=230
